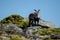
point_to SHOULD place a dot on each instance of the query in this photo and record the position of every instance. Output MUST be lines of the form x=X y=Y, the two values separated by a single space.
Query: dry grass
x=17 y=37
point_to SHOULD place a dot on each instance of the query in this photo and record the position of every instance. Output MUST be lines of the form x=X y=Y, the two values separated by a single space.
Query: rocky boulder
x=46 y=23
x=11 y=28
x=30 y=35
x=30 y=30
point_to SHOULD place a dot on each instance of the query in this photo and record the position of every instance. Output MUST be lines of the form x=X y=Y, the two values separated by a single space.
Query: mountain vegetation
x=15 y=19
x=48 y=31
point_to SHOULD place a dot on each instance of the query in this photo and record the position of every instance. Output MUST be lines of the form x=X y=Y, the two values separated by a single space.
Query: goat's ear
x=39 y=10
x=35 y=10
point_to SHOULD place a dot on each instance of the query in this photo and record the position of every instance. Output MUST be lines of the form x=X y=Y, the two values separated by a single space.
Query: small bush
x=47 y=38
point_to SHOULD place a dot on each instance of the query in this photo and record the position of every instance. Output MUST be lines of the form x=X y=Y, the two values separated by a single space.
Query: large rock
x=31 y=35
x=29 y=30
x=46 y=23
x=3 y=28
x=14 y=29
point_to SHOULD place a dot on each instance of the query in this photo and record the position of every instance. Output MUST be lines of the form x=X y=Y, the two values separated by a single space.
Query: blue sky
x=50 y=9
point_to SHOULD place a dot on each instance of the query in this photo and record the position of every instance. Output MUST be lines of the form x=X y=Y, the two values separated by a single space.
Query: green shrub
x=47 y=38
x=15 y=19
x=48 y=31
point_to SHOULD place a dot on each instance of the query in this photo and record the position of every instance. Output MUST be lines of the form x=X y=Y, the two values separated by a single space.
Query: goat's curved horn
x=35 y=10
